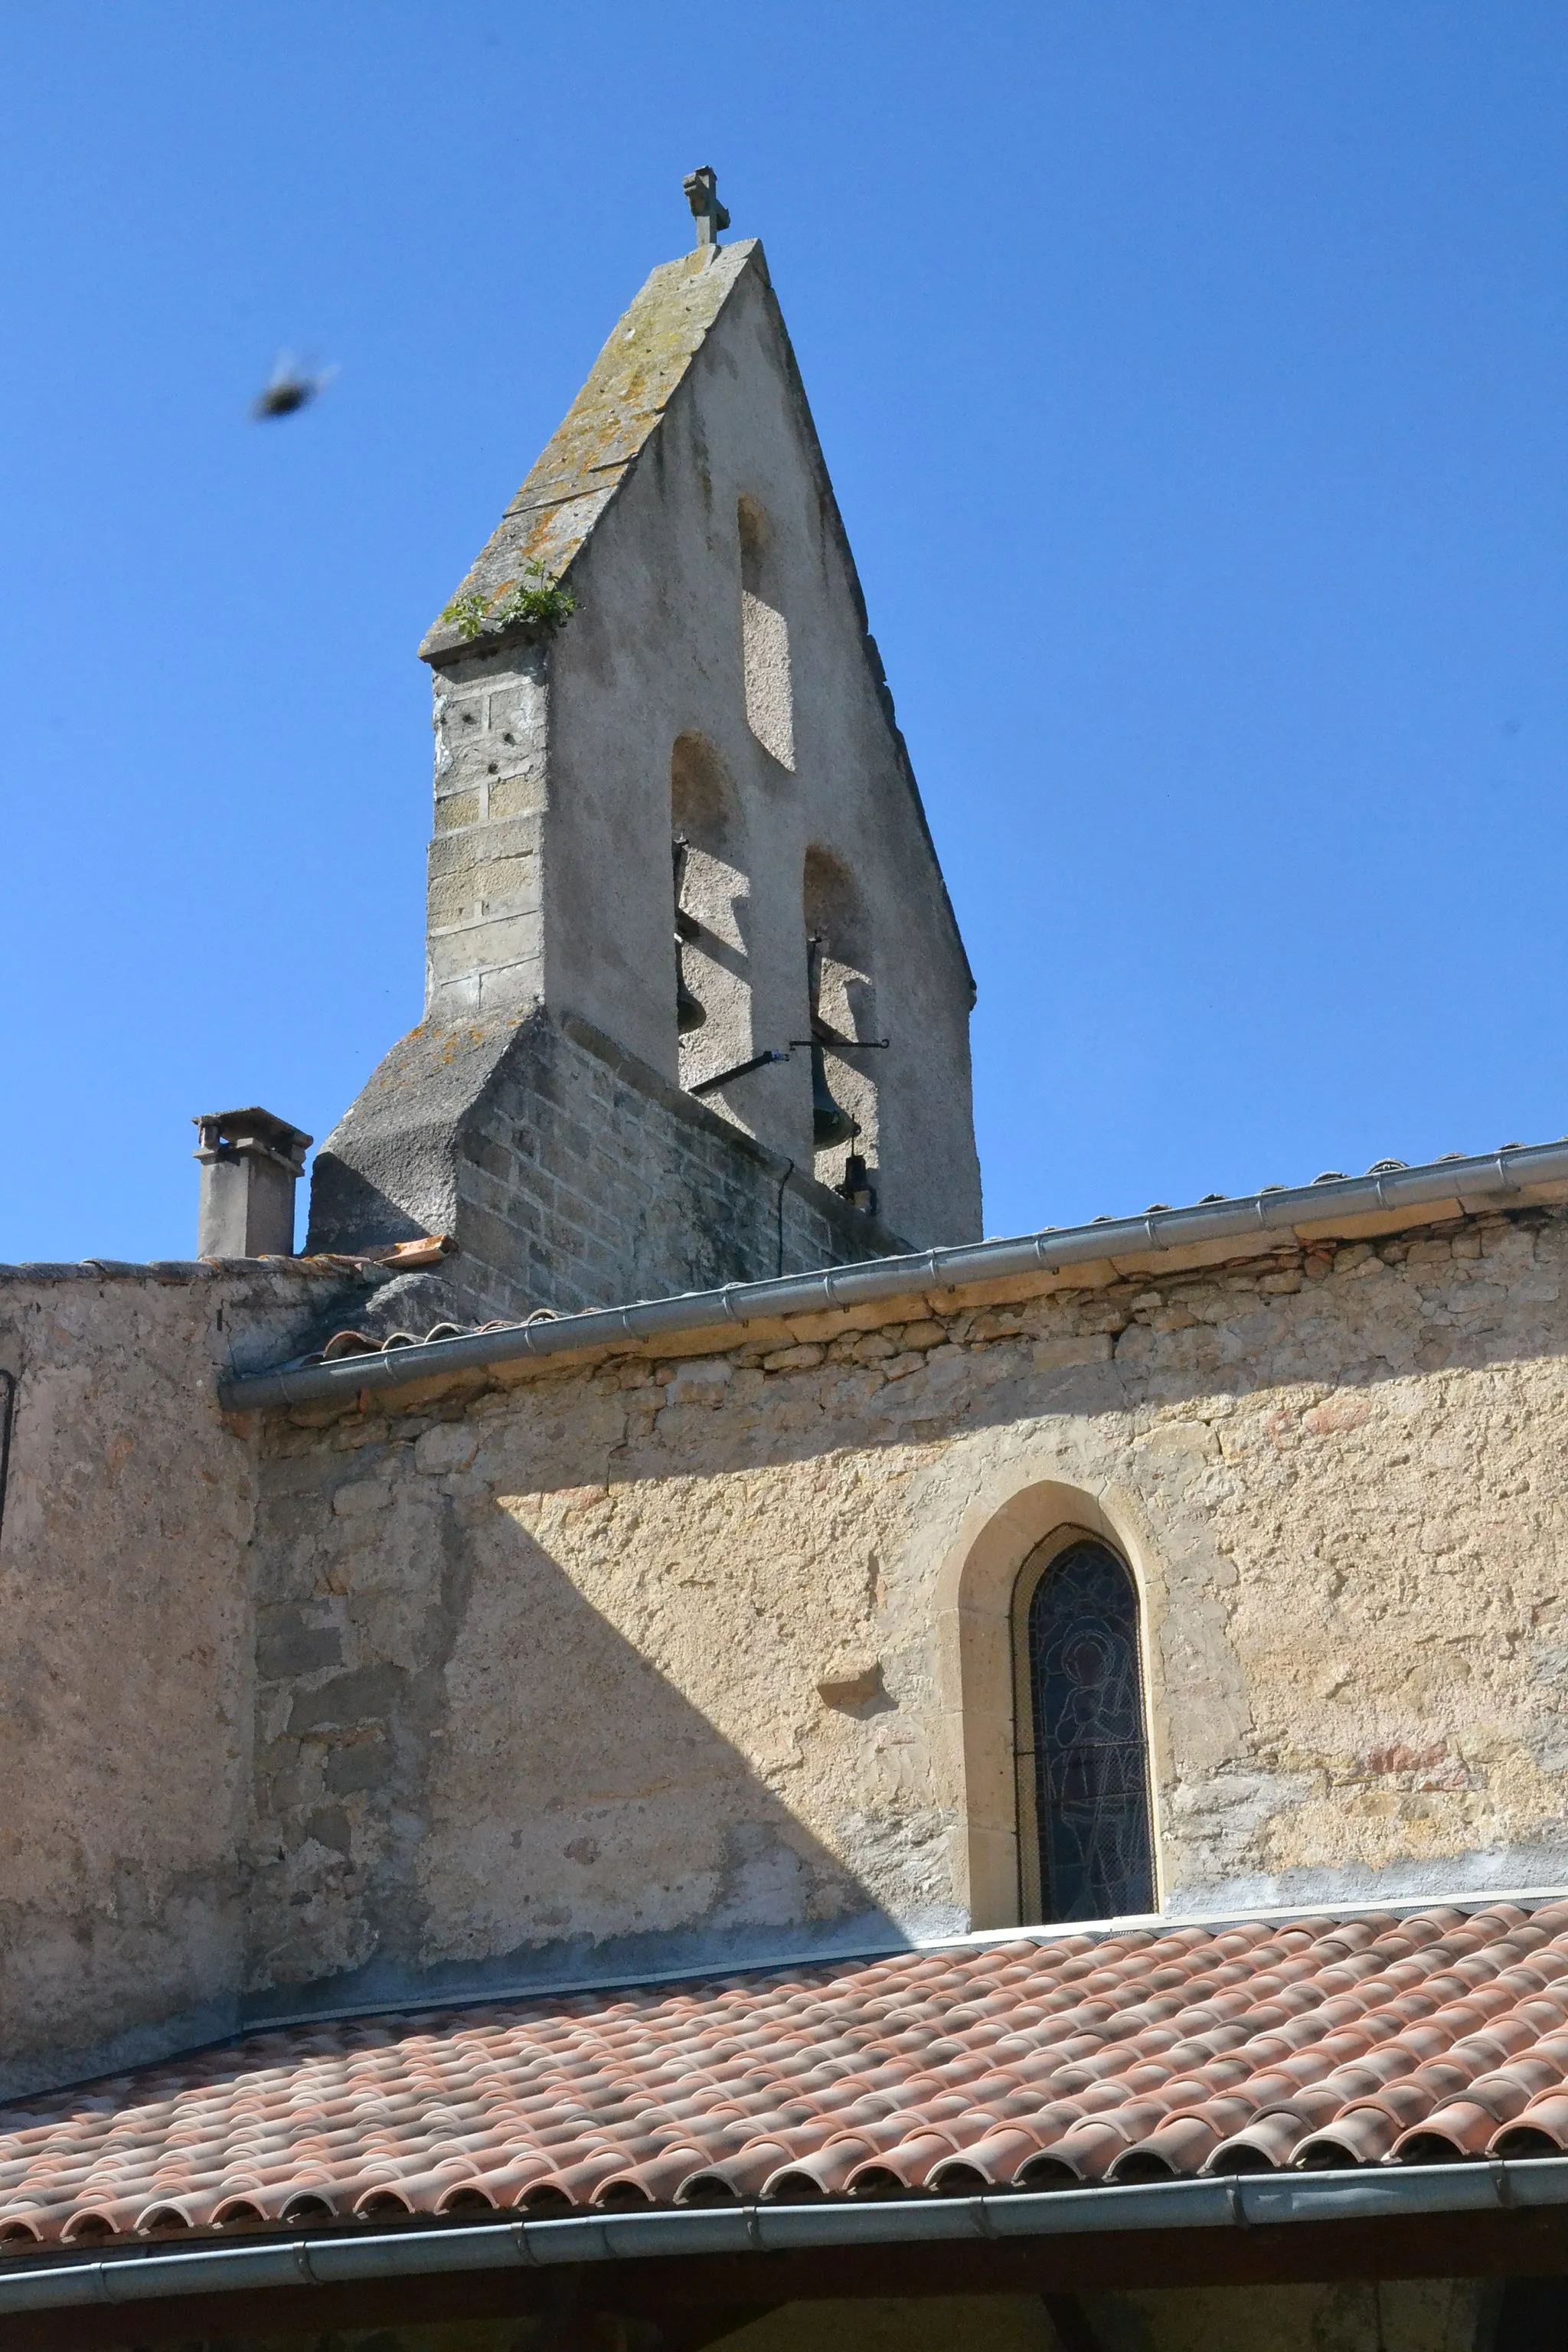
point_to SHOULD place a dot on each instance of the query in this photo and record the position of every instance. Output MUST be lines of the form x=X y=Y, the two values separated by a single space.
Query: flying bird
x=291 y=386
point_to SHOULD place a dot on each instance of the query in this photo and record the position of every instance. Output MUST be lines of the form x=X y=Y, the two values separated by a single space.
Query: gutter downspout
x=37 y=2283
x=1473 y=1182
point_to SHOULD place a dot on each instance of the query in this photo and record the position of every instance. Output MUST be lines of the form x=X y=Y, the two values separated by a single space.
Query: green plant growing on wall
x=533 y=596
x=466 y=615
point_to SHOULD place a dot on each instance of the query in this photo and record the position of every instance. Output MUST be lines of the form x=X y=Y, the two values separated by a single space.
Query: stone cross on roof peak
x=702 y=188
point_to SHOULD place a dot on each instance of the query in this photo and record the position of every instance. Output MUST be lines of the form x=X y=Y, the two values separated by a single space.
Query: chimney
x=250 y=1165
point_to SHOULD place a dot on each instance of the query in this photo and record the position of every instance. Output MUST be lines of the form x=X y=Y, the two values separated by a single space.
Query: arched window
x=1086 y=1849
x=765 y=637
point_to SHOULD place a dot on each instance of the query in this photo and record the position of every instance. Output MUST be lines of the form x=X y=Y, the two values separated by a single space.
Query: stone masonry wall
x=484 y=946
x=126 y=1671
x=571 y=1175
x=633 y=1662
x=591 y=1182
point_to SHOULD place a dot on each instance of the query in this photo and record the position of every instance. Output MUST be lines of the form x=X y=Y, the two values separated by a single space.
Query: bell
x=830 y=1123
x=690 y=1011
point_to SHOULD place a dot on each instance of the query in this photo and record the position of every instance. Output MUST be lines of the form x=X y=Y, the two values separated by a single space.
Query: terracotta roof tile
x=1139 y=2056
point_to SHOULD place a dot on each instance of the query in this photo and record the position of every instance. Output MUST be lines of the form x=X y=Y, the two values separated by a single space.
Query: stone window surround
x=1017 y=1520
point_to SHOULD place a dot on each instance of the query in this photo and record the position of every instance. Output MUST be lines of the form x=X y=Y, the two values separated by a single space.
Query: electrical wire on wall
x=783 y=1180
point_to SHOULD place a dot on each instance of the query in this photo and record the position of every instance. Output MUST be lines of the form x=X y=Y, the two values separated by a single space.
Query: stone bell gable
x=681 y=886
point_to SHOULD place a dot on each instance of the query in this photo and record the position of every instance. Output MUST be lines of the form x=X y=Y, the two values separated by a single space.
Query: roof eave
x=1498 y=2191
x=1259 y=1224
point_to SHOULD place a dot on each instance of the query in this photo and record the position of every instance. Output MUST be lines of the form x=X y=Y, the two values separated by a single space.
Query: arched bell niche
x=711 y=988
x=842 y=1000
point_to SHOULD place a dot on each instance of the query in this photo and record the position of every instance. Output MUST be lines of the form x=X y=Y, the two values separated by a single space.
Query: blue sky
x=1192 y=377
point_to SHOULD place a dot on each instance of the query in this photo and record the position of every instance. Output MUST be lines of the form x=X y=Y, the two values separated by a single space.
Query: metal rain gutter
x=1475 y=1182
x=1230 y=2200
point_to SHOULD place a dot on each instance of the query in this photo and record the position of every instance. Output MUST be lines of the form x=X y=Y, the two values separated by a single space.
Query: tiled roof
x=1130 y=2057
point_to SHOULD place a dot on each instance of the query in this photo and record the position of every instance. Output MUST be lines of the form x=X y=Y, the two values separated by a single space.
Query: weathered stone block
x=350 y=1501
x=454 y=853
x=360 y=1696
x=287 y=1646
x=350 y=1769
x=485 y=891
x=450 y=1445
x=520 y=796
x=456 y=809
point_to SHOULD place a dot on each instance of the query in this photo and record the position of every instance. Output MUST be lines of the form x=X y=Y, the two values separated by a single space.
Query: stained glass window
x=1091 y=1765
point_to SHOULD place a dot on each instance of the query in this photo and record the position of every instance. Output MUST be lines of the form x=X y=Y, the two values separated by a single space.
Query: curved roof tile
x=1135 y=2057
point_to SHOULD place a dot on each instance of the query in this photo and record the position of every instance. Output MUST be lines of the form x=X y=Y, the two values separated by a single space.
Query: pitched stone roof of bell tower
x=597 y=444
x=598 y=440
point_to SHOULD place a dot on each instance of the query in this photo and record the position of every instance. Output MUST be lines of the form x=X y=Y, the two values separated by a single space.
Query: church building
x=650 y=1742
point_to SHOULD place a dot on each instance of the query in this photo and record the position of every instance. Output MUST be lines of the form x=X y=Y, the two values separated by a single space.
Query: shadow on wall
x=489 y=1773
x=764 y=636
x=712 y=903
x=603 y=1726
x=843 y=1002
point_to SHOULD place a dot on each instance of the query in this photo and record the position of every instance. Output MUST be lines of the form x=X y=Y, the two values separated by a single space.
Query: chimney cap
x=226 y=1134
